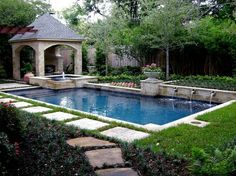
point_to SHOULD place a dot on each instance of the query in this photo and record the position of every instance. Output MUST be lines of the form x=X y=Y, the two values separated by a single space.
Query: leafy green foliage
x=149 y=163
x=216 y=162
x=10 y=122
x=214 y=82
x=8 y=156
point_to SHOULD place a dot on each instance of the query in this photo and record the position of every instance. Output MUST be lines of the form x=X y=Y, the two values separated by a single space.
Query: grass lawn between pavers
x=175 y=140
x=181 y=139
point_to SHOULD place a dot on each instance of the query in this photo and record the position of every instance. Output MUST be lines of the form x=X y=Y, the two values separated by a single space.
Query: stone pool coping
x=151 y=127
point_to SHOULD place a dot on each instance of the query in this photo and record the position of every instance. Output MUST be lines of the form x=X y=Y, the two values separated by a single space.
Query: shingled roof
x=48 y=28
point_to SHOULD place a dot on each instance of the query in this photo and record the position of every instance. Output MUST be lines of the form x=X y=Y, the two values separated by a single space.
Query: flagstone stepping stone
x=87 y=124
x=109 y=157
x=125 y=134
x=116 y=172
x=6 y=100
x=60 y=116
x=21 y=104
x=88 y=142
x=36 y=109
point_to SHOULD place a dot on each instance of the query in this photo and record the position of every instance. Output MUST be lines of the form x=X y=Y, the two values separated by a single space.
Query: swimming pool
x=121 y=106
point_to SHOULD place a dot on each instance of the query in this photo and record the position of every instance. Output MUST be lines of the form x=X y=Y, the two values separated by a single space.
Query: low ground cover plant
x=32 y=145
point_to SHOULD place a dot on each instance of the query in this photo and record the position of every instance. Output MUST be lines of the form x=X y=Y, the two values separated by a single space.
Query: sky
x=59 y=5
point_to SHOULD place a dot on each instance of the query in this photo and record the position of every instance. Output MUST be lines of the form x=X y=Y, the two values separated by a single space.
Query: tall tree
x=166 y=26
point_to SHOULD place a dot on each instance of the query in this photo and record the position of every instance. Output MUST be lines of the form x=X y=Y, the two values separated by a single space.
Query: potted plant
x=152 y=71
x=27 y=70
x=91 y=69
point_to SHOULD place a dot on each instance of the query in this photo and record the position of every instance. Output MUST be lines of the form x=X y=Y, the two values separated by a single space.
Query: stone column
x=39 y=61
x=150 y=87
x=16 y=63
x=78 y=61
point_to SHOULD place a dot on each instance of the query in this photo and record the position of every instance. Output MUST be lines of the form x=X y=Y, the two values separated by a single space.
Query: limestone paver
x=117 y=172
x=60 y=116
x=87 y=124
x=87 y=142
x=125 y=134
x=6 y=100
x=21 y=104
x=108 y=157
x=37 y=109
x=12 y=85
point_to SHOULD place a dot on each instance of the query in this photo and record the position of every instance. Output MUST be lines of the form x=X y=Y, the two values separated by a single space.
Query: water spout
x=175 y=90
x=63 y=75
x=193 y=91
x=212 y=94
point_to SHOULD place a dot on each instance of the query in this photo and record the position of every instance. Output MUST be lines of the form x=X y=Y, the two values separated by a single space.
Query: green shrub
x=7 y=156
x=128 y=70
x=45 y=151
x=215 y=82
x=216 y=162
x=10 y=122
x=150 y=164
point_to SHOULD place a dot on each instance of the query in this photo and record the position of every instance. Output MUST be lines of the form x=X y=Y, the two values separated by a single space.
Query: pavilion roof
x=48 y=28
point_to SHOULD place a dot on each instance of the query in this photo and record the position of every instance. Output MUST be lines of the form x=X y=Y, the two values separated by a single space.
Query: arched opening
x=58 y=59
x=27 y=60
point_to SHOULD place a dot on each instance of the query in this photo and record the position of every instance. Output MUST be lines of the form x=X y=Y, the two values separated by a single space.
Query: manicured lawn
x=183 y=138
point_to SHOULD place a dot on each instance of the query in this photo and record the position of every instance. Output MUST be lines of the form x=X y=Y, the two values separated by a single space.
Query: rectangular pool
x=126 y=107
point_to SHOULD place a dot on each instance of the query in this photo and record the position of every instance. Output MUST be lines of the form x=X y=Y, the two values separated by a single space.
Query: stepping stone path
x=60 y=116
x=6 y=100
x=36 y=109
x=21 y=104
x=88 y=124
x=125 y=134
x=88 y=142
x=106 y=157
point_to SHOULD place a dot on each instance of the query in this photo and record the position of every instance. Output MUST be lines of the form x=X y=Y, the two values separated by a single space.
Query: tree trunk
x=167 y=62
x=106 y=65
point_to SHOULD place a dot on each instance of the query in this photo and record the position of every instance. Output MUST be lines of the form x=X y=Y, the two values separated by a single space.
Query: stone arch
x=27 y=55
x=55 y=61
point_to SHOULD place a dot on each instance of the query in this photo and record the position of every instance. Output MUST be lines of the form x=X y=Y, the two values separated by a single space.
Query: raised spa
x=126 y=107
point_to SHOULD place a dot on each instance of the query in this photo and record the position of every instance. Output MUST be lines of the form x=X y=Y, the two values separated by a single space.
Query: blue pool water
x=128 y=107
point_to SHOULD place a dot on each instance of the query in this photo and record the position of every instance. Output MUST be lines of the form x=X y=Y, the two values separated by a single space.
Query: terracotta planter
x=27 y=76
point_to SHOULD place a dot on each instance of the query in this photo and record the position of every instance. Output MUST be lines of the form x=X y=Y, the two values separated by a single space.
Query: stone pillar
x=78 y=61
x=39 y=61
x=16 y=63
x=150 y=87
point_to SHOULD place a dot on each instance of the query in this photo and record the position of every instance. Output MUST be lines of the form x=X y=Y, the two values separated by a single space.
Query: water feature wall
x=155 y=88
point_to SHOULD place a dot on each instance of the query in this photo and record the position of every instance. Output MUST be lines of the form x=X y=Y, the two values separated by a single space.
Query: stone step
x=116 y=172
x=89 y=142
x=105 y=157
